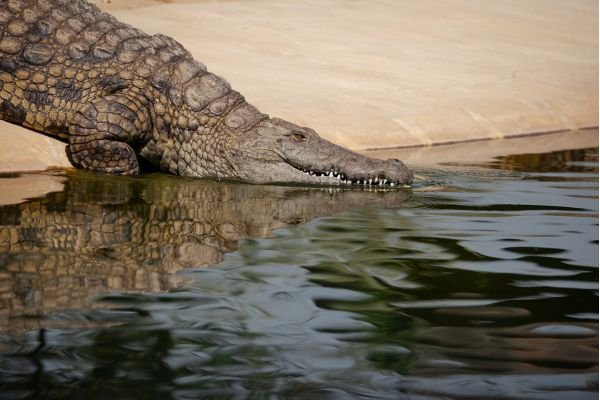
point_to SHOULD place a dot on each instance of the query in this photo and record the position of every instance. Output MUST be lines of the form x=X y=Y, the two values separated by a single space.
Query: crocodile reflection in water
x=104 y=234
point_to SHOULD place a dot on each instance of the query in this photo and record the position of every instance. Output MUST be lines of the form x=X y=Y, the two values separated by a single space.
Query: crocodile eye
x=298 y=136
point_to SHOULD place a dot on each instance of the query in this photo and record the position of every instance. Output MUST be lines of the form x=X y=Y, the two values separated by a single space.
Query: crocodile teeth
x=331 y=173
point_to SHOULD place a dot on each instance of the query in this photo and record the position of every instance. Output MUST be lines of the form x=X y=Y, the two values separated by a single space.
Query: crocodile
x=125 y=101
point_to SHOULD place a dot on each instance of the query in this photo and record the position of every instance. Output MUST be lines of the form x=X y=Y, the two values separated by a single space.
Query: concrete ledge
x=478 y=152
x=22 y=150
x=382 y=73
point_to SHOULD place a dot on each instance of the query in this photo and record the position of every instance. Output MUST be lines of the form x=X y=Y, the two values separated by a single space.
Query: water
x=482 y=283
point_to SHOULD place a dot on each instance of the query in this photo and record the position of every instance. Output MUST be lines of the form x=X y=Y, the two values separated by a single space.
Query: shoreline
x=23 y=185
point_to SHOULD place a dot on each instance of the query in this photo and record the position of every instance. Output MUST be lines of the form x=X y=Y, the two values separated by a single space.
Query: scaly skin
x=117 y=95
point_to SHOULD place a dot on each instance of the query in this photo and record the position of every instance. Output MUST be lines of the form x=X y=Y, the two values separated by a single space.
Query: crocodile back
x=57 y=55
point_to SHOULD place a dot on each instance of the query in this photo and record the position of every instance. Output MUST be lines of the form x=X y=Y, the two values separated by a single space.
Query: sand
x=381 y=74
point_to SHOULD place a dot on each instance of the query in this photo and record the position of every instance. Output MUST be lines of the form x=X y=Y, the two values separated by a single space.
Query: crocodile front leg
x=105 y=133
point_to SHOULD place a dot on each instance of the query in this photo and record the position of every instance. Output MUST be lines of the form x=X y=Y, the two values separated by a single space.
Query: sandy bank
x=383 y=73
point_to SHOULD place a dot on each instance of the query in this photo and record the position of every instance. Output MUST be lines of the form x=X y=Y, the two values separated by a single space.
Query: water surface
x=480 y=283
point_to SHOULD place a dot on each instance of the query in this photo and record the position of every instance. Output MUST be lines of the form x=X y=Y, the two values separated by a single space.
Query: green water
x=481 y=283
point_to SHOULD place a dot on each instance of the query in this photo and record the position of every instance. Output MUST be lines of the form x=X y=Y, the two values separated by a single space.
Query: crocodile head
x=279 y=151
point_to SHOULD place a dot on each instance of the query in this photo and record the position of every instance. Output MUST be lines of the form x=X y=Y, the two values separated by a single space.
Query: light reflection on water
x=487 y=288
